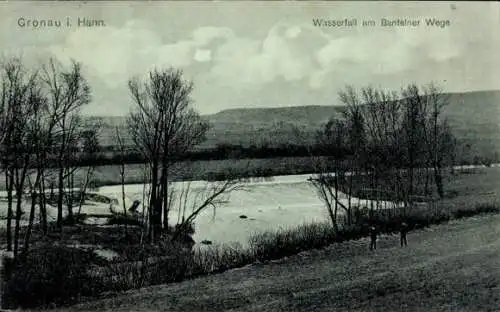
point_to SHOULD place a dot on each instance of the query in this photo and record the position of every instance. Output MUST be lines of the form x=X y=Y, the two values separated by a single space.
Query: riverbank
x=211 y=170
x=452 y=267
x=94 y=277
x=197 y=170
x=278 y=202
x=468 y=195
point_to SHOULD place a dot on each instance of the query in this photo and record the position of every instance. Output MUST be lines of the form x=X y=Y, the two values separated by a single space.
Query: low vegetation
x=451 y=266
x=42 y=271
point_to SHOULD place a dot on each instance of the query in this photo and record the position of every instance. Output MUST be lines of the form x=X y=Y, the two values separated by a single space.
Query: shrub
x=76 y=219
x=483 y=208
x=185 y=229
x=122 y=219
x=143 y=265
x=286 y=242
x=50 y=275
x=219 y=258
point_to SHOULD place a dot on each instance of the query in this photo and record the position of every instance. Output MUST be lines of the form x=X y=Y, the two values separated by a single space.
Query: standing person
x=404 y=231
x=373 y=237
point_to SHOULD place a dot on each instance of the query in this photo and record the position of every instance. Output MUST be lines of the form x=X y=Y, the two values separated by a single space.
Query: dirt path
x=452 y=267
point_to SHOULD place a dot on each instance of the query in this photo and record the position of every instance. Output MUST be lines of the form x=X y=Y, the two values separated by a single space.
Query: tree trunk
x=69 y=198
x=349 y=194
x=52 y=187
x=164 y=177
x=34 y=198
x=17 y=230
x=410 y=182
x=438 y=178
x=122 y=175
x=43 y=205
x=166 y=208
x=60 y=197
x=20 y=179
x=333 y=217
x=10 y=184
x=372 y=186
x=427 y=178
x=153 y=224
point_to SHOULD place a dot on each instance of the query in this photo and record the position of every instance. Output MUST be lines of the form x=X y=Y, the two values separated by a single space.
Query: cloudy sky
x=261 y=54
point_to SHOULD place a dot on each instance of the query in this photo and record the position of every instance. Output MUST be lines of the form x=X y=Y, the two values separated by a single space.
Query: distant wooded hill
x=474 y=117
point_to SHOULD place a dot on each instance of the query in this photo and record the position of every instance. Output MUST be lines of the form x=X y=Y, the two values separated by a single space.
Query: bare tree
x=330 y=171
x=429 y=140
x=89 y=148
x=68 y=91
x=379 y=118
x=146 y=193
x=122 y=166
x=10 y=91
x=21 y=100
x=38 y=103
x=356 y=136
x=441 y=140
x=212 y=195
x=163 y=126
x=388 y=140
x=70 y=156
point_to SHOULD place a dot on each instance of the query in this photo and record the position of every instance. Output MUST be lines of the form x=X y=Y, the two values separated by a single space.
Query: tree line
x=40 y=120
x=44 y=140
x=398 y=145
x=235 y=151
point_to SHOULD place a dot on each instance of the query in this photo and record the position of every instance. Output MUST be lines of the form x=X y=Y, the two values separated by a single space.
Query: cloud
x=287 y=52
x=118 y=53
x=304 y=52
x=392 y=51
x=293 y=32
x=436 y=43
x=284 y=53
x=203 y=55
x=277 y=62
x=204 y=35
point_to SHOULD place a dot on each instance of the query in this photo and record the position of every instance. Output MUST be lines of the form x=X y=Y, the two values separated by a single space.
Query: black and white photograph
x=249 y=156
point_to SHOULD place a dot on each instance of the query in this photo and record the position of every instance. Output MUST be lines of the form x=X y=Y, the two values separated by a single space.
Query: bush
x=185 y=229
x=76 y=219
x=122 y=219
x=286 y=242
x=145 y=265
x=220 y=258
x=484 y=208
x=50 y=275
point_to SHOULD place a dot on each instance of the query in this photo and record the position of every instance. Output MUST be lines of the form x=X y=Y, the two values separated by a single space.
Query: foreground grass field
x=452 y=267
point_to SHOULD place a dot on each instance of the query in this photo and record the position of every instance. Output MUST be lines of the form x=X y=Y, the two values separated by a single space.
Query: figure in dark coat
x=403 y=232
x=373 y=237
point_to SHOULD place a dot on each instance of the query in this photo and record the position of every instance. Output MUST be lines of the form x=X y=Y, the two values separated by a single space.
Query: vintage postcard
x=250 y=156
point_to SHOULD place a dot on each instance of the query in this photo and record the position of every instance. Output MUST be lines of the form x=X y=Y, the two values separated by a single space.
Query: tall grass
x=219 y=258
x=289 y=241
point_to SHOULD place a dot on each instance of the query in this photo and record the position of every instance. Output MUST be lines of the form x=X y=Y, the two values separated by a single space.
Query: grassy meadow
x=452 y=267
